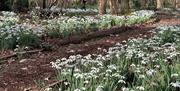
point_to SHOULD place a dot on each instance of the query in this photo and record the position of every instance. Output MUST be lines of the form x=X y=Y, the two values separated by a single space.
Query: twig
x=18 y=53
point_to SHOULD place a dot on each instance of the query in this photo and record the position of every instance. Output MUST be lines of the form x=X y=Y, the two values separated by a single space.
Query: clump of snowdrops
x=13 y=33
x=139 y=65
x=75 y=25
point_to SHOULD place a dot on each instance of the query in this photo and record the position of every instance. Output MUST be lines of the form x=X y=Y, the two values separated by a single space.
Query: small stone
x=108 y=41
x=71 y=51
x=23 y=60
x=117 y=35
x=25 y=68
x=99 y=48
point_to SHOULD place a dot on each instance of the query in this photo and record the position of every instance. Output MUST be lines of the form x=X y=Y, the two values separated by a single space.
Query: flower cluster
x=139 y=65
x=72 y=10
x=69 y=25
x=13 y=33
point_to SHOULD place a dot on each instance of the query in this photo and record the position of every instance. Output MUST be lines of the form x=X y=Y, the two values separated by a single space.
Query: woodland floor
x=20 y=73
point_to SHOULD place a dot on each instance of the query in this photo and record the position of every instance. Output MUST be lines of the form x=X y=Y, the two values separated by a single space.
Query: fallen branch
x=102 y=33
x=76 y=39
x=18 y=53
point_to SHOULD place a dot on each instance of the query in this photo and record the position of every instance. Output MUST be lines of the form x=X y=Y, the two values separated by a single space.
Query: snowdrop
x=142 y=76
x=141 y=88
x=99 y=88
x=176 y=84
x=122 y=81
x=77 y=90
x=78 y=75
x=125 y=89
x=150 y=72
x=149 y=62
x=174 y=75
x=74 y=24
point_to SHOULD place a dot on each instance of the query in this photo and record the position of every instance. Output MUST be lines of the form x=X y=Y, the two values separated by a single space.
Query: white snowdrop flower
x=63 y=59
x=174 y=75
x=122 y=81
x=118 y=44
x=137 y=69
x=165 y=60
x=100 y=64
x=54 y=65
x=150 y=72
x=117 y=56
x=66 y=83
x=154 y=84
x=143 y=62
x=83 y=88
x=77 y=70
x=133 y=65
x=107 y=73
x=46 y=79
x=99 y=88
x=70 y=66
x=157 y=66
x=94 y=70
x=77 y=90
x=124 y=41
x=26 y=47
x=99 y=48
x=78 y=75
x=103 y=58
x=141 y=76
x=86 y=81
x=60 y=89
x=16 y=49
x=141 y=88
x=124 y=89
x=48 y=89
x=116 y=75
x=176 y=84
x=112 y=67
x=104 y=50
x=122 y=77
x=58 y=60
x=88 y=56
x=140 y=53
x=64 y=73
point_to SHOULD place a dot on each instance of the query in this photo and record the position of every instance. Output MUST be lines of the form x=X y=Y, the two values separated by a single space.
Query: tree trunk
x=44 y=4
x=174 y=3
x=102 y=7
x=143 y=4
x=125 y=8
x=159 y=4
x=178 y=4
x=113 y=6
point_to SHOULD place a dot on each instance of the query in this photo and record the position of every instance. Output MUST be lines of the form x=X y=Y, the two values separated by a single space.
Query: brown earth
x=20 y=73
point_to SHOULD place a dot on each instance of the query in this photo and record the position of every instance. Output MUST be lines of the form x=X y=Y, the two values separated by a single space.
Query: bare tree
x=160 y=4
x=125 y=6
x=175 y=3
x=143 y=4
x=178 y=4
x=113 y=6
x=102 y=6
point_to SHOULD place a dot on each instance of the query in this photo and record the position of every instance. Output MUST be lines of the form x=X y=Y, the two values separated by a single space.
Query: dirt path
x=18 y=74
